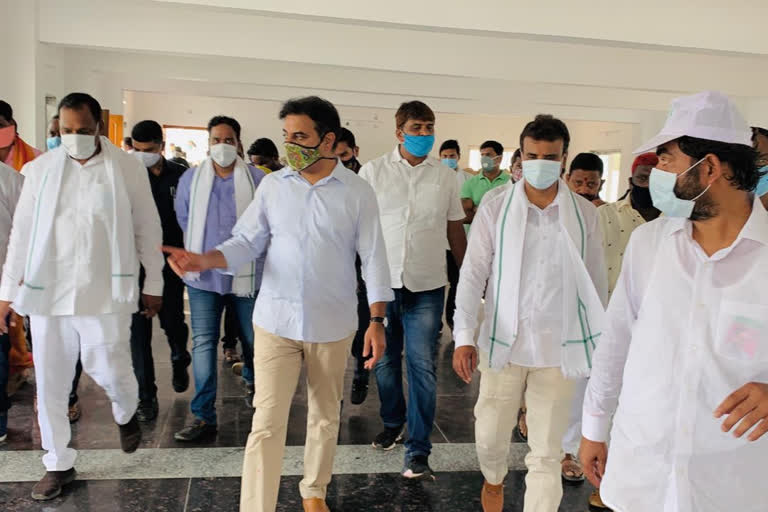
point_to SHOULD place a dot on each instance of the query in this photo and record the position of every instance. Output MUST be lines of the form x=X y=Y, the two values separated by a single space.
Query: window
x=611 y=174
x=474 y=158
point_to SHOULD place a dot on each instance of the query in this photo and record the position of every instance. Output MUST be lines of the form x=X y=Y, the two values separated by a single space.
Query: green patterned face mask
x=300 y=157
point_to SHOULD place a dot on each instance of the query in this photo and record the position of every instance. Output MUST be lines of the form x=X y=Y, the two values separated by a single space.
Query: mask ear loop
x=708 y=186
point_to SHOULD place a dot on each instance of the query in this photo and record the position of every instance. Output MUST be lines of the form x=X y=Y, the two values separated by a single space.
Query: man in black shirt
x=164 y=177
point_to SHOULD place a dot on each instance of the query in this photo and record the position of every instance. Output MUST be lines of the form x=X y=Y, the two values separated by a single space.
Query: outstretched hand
x=182 y=261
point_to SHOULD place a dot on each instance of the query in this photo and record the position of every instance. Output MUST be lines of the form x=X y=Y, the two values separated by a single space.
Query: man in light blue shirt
x=309 y=221
x=207 y=204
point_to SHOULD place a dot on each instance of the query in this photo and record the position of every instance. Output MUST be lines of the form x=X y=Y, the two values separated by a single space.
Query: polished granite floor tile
x=162 y=495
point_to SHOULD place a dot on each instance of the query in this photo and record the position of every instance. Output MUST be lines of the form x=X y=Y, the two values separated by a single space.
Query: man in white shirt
x=309 y=220
x=85 y=220
x=10 y=189
x=538 y=247
x=419 y=202
x=683 y=366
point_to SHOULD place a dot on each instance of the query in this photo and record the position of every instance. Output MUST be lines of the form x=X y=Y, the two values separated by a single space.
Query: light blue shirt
x=311 y=234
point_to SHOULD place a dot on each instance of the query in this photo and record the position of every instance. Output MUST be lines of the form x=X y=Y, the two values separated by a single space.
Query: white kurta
x=685 y=330
x=80 y=250
x=10 y=190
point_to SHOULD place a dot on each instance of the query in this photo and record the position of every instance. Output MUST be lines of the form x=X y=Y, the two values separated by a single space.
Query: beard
x=690 y=187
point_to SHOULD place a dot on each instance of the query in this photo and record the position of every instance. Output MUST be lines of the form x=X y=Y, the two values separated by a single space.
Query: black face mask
x=589 y=197
x=641 y=197
x=352 y=164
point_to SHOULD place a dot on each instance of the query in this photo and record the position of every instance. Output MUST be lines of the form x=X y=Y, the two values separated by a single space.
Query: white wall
x=373 y=128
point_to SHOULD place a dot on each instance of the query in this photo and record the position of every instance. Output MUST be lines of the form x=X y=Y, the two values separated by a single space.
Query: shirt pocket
x=742 y=333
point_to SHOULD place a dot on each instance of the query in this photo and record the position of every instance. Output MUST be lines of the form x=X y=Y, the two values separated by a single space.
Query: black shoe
x=359 y=390
x=130 y=435
x=388 y=439
x=180 y=376
x=418 y=468
x=51 y=484
x=197 y=431
x=147 y=410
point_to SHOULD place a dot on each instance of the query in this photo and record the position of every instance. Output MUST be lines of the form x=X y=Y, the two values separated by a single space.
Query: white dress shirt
x=10 y=190
x=311 y=234
x=541 y=289
x=685 y=331
x=80 y=251
x=416 y=204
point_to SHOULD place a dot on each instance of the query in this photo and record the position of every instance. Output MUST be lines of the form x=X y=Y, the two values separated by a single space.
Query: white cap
x=708 y=115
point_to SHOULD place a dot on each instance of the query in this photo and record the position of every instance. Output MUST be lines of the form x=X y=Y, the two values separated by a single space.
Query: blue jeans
x=206 y=308
x=414 y=323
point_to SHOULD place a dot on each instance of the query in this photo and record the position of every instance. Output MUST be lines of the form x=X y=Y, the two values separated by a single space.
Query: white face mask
x=148 y=159
x=223 y=154
x=541 y=174
x=79 y=147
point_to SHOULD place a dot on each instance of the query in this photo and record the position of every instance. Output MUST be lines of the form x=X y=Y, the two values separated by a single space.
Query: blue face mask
x=418 y=145
x=450 y=162
x=762 y=185
x=53 y=142
x=662 y=186
x=541 y=174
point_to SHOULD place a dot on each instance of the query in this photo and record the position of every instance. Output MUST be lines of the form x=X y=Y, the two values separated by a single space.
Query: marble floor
x=164 y=475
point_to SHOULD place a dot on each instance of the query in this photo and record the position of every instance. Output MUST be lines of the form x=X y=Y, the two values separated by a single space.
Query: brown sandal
x=571 y=469
x=522 y=426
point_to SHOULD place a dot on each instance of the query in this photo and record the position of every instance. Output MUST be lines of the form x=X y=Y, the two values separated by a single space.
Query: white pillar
x=19 y=68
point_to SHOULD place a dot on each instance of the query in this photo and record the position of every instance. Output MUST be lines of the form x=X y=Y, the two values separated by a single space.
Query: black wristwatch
x=379 y=320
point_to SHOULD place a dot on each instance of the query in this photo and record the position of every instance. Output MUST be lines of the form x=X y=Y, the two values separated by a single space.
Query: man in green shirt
x=473 y=190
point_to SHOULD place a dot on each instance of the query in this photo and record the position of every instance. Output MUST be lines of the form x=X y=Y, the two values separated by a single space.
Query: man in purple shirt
x=209 y=200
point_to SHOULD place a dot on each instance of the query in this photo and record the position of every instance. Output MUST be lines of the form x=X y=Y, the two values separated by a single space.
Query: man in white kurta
x=85 y=219
x=529 y=242
x=684 y=363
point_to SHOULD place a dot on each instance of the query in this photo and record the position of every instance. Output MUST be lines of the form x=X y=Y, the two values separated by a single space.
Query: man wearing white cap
x=685 y=354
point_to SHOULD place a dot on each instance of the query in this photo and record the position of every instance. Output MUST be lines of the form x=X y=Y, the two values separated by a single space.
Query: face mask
x=662 y=186
x=488 y=163
x=79 y=147
x=762 y=185
x=641 y=197
x=223 y=154
x=541 y=174
x=53 y=142
x=300 y=157
x=589 y=197
x=418 y=145
x=351 y=164
x=7 y=136
x=149 y=159
x=451 y=162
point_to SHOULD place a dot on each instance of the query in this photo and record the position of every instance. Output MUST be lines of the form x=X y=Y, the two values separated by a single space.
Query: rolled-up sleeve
x=475 y=271
x=251 y=234
x=372 y=249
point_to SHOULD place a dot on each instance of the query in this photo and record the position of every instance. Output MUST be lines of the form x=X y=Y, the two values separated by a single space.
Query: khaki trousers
x=548 y=398
x=277 y=365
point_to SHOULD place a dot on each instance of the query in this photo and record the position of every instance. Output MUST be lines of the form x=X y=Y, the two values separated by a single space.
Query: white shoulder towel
x=583 y=312
x=125 y=262
x=244 y=281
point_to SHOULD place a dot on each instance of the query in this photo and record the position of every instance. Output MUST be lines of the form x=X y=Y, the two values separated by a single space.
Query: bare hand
x=5 y=308
x=376 y=342
x=748 y=405
x=593 y=455
x=152 y=304
x=182 y=261
x=465 y=362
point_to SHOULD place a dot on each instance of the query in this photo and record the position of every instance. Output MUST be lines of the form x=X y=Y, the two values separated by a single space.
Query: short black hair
x=347 y=136
x=416 y=110
x=263 y=147
x=78 y=100
x=495 y=146
x=147 y=131
x=450 y=144
x=6 y=111
x=517 y=154
x=741 y=158
x=229 y=121
x=587 y=162
x=547 y=127
x=758 y=130
x=55 y=118
x=322 y=113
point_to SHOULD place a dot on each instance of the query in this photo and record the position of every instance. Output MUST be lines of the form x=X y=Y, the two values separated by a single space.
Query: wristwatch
x=379 y=320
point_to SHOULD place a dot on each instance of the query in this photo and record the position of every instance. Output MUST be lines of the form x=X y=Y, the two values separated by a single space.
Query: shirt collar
x=339 y=173
x=624 y=203
x=562 y=189
x=396 y=157
x=501 y=176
